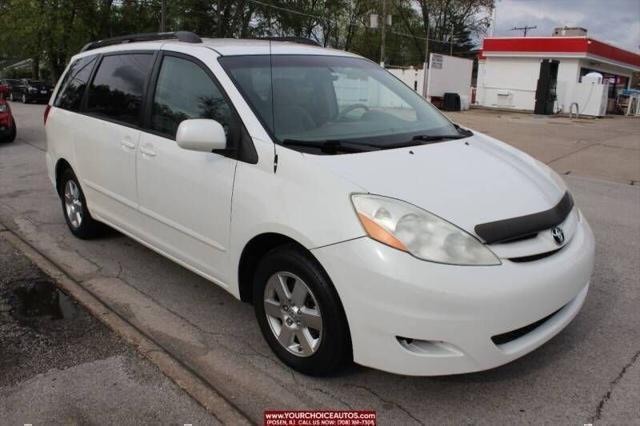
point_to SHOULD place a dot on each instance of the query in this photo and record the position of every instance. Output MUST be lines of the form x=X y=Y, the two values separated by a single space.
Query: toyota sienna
x=359 y=221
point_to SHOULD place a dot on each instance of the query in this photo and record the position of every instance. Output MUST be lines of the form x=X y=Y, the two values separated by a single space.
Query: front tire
x=12 y=133
x=299 y=312
x=74 y=207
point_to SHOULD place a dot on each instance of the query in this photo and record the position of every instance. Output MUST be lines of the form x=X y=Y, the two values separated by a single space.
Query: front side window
x=74 y=84
x=118 y=86
x=184 y=91
x=337 y=99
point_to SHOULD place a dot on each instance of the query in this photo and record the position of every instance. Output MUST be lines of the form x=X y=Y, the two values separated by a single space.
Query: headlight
x=32 y=89
x=424 y=235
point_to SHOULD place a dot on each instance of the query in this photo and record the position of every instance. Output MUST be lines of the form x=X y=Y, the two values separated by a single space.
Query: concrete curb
x=185 y=378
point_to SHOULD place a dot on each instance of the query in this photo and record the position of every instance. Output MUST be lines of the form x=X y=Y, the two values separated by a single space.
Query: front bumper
x=451 y=313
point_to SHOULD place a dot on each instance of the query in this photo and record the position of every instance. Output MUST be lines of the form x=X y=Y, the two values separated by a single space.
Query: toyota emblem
x=557 y=235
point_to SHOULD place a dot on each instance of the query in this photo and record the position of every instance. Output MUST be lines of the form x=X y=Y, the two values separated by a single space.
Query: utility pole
x=163 y=15
x=525 y=29
x=493 y=21
x=426 y=46
x=426 y=70
x=383 y=31
x=451 y=41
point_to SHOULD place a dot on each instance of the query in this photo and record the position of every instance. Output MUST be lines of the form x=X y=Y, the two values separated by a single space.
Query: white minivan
x=357 y=219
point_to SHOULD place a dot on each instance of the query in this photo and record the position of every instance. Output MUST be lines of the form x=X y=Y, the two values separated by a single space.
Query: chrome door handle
x=148 y=152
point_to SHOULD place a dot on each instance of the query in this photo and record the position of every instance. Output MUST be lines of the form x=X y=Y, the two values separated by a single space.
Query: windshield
x=308 y=98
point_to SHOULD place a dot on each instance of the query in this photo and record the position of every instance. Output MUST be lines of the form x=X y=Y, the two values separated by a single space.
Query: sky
x=613 y=21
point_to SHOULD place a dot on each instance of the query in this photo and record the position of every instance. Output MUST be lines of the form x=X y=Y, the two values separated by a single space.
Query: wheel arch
x=259 y=246
x=61 y=166
x=253 y=251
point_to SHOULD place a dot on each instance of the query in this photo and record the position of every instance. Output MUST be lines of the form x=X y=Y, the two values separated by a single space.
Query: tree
x=443 y=20
x=50 y=31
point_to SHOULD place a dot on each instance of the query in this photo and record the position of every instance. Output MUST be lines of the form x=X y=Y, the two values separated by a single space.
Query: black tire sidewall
x=335 y=347
x=13 y=134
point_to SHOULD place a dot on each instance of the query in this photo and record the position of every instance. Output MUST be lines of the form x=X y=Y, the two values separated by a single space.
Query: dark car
x=4 y=90
x=7 y=123
x=6 y=86
x=28 y=90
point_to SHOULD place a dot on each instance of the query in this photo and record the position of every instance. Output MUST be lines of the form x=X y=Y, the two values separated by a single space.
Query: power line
x=332 y=21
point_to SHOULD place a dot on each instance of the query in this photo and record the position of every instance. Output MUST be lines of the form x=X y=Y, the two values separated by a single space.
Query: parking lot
x=589 y=373
x=607 y=148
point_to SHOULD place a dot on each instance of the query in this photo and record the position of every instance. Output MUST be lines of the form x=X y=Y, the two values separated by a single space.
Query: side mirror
x=201 y=134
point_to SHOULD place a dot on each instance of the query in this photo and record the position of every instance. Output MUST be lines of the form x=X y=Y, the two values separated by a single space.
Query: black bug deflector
x=516 y=228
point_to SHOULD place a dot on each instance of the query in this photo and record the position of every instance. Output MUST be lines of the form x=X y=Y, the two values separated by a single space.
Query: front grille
x=520 y=238
x=509 y=336
x=534 y=256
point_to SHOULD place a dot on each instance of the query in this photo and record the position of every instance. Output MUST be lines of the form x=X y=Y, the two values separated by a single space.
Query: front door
x=186 y=195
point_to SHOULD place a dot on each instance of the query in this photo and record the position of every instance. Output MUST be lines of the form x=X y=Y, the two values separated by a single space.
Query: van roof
x=226 y=47
x=231 y=46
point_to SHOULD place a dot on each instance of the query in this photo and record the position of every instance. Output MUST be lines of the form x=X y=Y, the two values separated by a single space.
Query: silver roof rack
x=185 y=36
x=301 y=40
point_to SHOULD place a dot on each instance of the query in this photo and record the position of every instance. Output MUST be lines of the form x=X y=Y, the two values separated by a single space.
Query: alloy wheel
x=293 y=314
x=73 y=204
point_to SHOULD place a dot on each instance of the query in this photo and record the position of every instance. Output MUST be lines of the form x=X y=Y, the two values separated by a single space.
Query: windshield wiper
x=422 y=140
x=332 y=146
x=436 y=138
x=464 y=132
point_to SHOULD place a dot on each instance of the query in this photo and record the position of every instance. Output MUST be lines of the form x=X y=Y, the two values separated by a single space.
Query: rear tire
x=306 y=313
x=74 y=208
x=12 y=133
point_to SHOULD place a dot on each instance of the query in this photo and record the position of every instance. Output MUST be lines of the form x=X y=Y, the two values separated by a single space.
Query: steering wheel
x=350 y=108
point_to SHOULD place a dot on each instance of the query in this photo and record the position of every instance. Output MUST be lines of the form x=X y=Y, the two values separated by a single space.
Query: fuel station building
x=553 y=74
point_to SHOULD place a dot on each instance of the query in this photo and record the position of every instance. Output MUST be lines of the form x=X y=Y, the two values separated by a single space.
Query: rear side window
x=118 y=86
x=74 y=83
x=184 y=90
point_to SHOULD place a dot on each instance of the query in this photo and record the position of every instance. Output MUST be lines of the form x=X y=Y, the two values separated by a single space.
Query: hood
x=467 y=181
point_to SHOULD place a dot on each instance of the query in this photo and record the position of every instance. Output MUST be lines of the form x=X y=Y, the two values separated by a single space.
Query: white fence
x=447 y=74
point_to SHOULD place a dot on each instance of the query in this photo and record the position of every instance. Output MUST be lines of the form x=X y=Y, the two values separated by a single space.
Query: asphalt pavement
x=606 y=148
x=589 y=373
